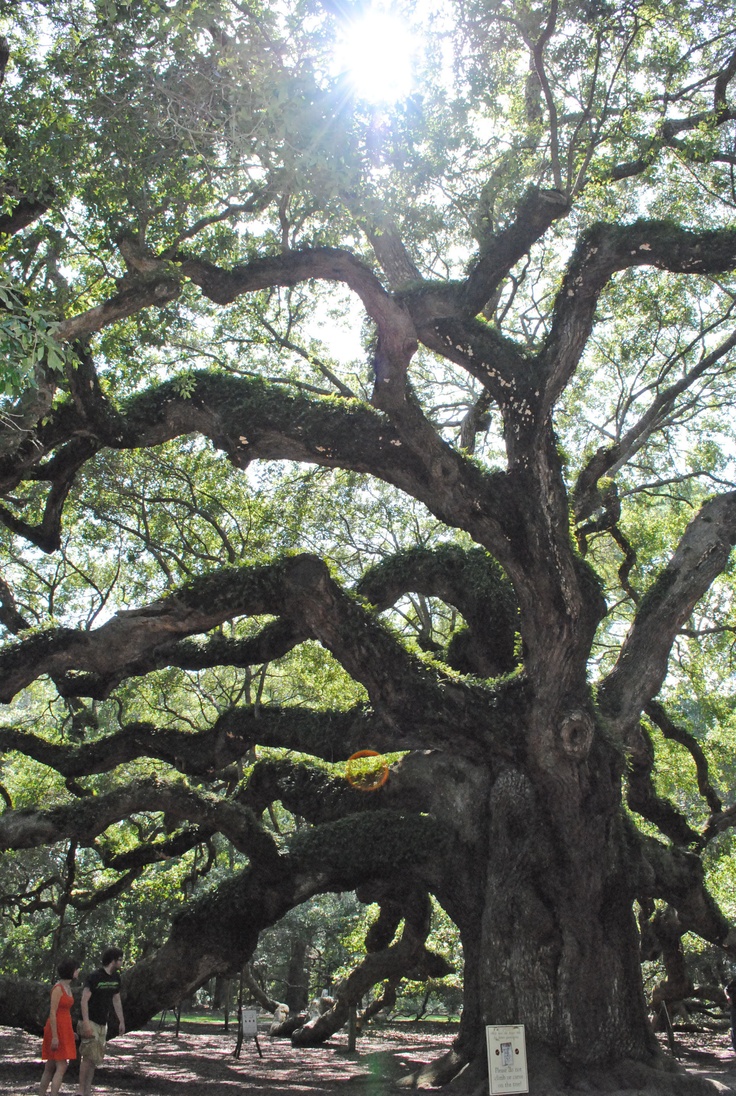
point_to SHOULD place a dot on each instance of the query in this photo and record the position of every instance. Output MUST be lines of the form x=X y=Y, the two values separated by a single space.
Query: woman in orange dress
x=58 y=1035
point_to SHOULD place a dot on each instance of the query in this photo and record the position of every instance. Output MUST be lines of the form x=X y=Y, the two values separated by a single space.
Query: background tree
x=336 y=422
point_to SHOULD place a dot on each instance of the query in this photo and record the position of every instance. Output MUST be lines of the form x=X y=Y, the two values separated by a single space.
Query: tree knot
x=576 y=734
x=307 y=573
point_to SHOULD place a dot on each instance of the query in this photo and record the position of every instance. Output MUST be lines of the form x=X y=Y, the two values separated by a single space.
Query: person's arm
x=117 y=1004
x=86 y=1029
x=55 y=998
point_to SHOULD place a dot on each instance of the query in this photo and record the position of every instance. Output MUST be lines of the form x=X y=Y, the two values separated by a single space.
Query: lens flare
x=376 y=55
x=366 y=771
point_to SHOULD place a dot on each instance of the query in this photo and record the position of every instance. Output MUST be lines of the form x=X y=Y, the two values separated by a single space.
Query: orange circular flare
x=363 y=775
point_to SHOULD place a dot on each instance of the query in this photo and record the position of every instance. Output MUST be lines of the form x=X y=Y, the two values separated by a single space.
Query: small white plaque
x=507 y=1070
x=250 y=1021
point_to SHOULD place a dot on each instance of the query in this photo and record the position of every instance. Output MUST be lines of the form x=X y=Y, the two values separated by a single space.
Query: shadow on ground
x=200 y=1062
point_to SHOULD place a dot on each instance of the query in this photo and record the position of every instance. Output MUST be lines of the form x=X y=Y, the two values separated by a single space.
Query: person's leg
x=48 y=1073
x=86 y=1073
x=58 y=1076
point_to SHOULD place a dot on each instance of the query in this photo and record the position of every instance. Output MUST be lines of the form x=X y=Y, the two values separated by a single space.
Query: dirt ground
x=200 y=1062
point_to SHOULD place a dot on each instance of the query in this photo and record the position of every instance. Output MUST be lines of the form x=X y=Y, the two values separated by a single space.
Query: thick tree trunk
x=559 y=940
x=296 y=995
x=540 y=876
x=557 y=950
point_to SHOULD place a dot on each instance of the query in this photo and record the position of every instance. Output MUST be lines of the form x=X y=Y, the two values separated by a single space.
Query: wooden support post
x=352 y=1027
x=670 y=1031
x=239 y=1041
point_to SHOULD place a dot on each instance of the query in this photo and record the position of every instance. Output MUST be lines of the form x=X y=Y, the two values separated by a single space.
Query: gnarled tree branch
x=701 y=556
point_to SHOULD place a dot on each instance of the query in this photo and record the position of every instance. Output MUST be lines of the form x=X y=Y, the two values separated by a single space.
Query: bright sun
x=376 y=54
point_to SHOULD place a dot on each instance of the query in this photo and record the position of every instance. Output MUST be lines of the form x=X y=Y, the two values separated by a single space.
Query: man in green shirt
x=101 y=990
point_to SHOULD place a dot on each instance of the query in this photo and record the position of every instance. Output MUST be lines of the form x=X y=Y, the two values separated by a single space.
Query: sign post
x=506 y=1047
x=248 y=1025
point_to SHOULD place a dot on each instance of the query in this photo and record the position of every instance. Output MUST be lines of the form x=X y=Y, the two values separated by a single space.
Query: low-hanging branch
x=404 y=692
x=400 y=959
x=678 y=877
x=219 y=932
x=332 y=736
x=85 y=819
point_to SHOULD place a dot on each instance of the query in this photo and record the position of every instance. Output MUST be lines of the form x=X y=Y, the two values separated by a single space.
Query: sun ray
x=375 y=53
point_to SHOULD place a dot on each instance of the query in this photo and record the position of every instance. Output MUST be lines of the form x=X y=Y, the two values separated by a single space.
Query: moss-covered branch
x=473 y=583
x=678 y=877
x=332 y=736
x=417 y=702
x=85 y=819
x=219 y=933
x=249 y=419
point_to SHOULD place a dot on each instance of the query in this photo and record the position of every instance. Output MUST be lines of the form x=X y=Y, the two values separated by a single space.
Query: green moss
x=377 y=843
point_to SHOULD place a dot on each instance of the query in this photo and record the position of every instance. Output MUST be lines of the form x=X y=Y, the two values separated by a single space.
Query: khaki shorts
x=94 y=1046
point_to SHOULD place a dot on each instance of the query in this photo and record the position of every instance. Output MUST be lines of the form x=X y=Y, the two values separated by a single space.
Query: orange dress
x=67 y=1047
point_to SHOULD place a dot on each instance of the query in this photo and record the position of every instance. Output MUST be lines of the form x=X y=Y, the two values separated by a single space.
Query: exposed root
x=437 y=1073
x=629 y=1077
x=548 y=1077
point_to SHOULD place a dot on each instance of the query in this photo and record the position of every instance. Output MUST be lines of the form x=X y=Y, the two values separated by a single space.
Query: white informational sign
x=250 y=1021
x=507 y=1070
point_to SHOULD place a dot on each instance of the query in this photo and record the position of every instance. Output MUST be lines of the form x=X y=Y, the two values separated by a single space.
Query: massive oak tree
x=439 y=386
